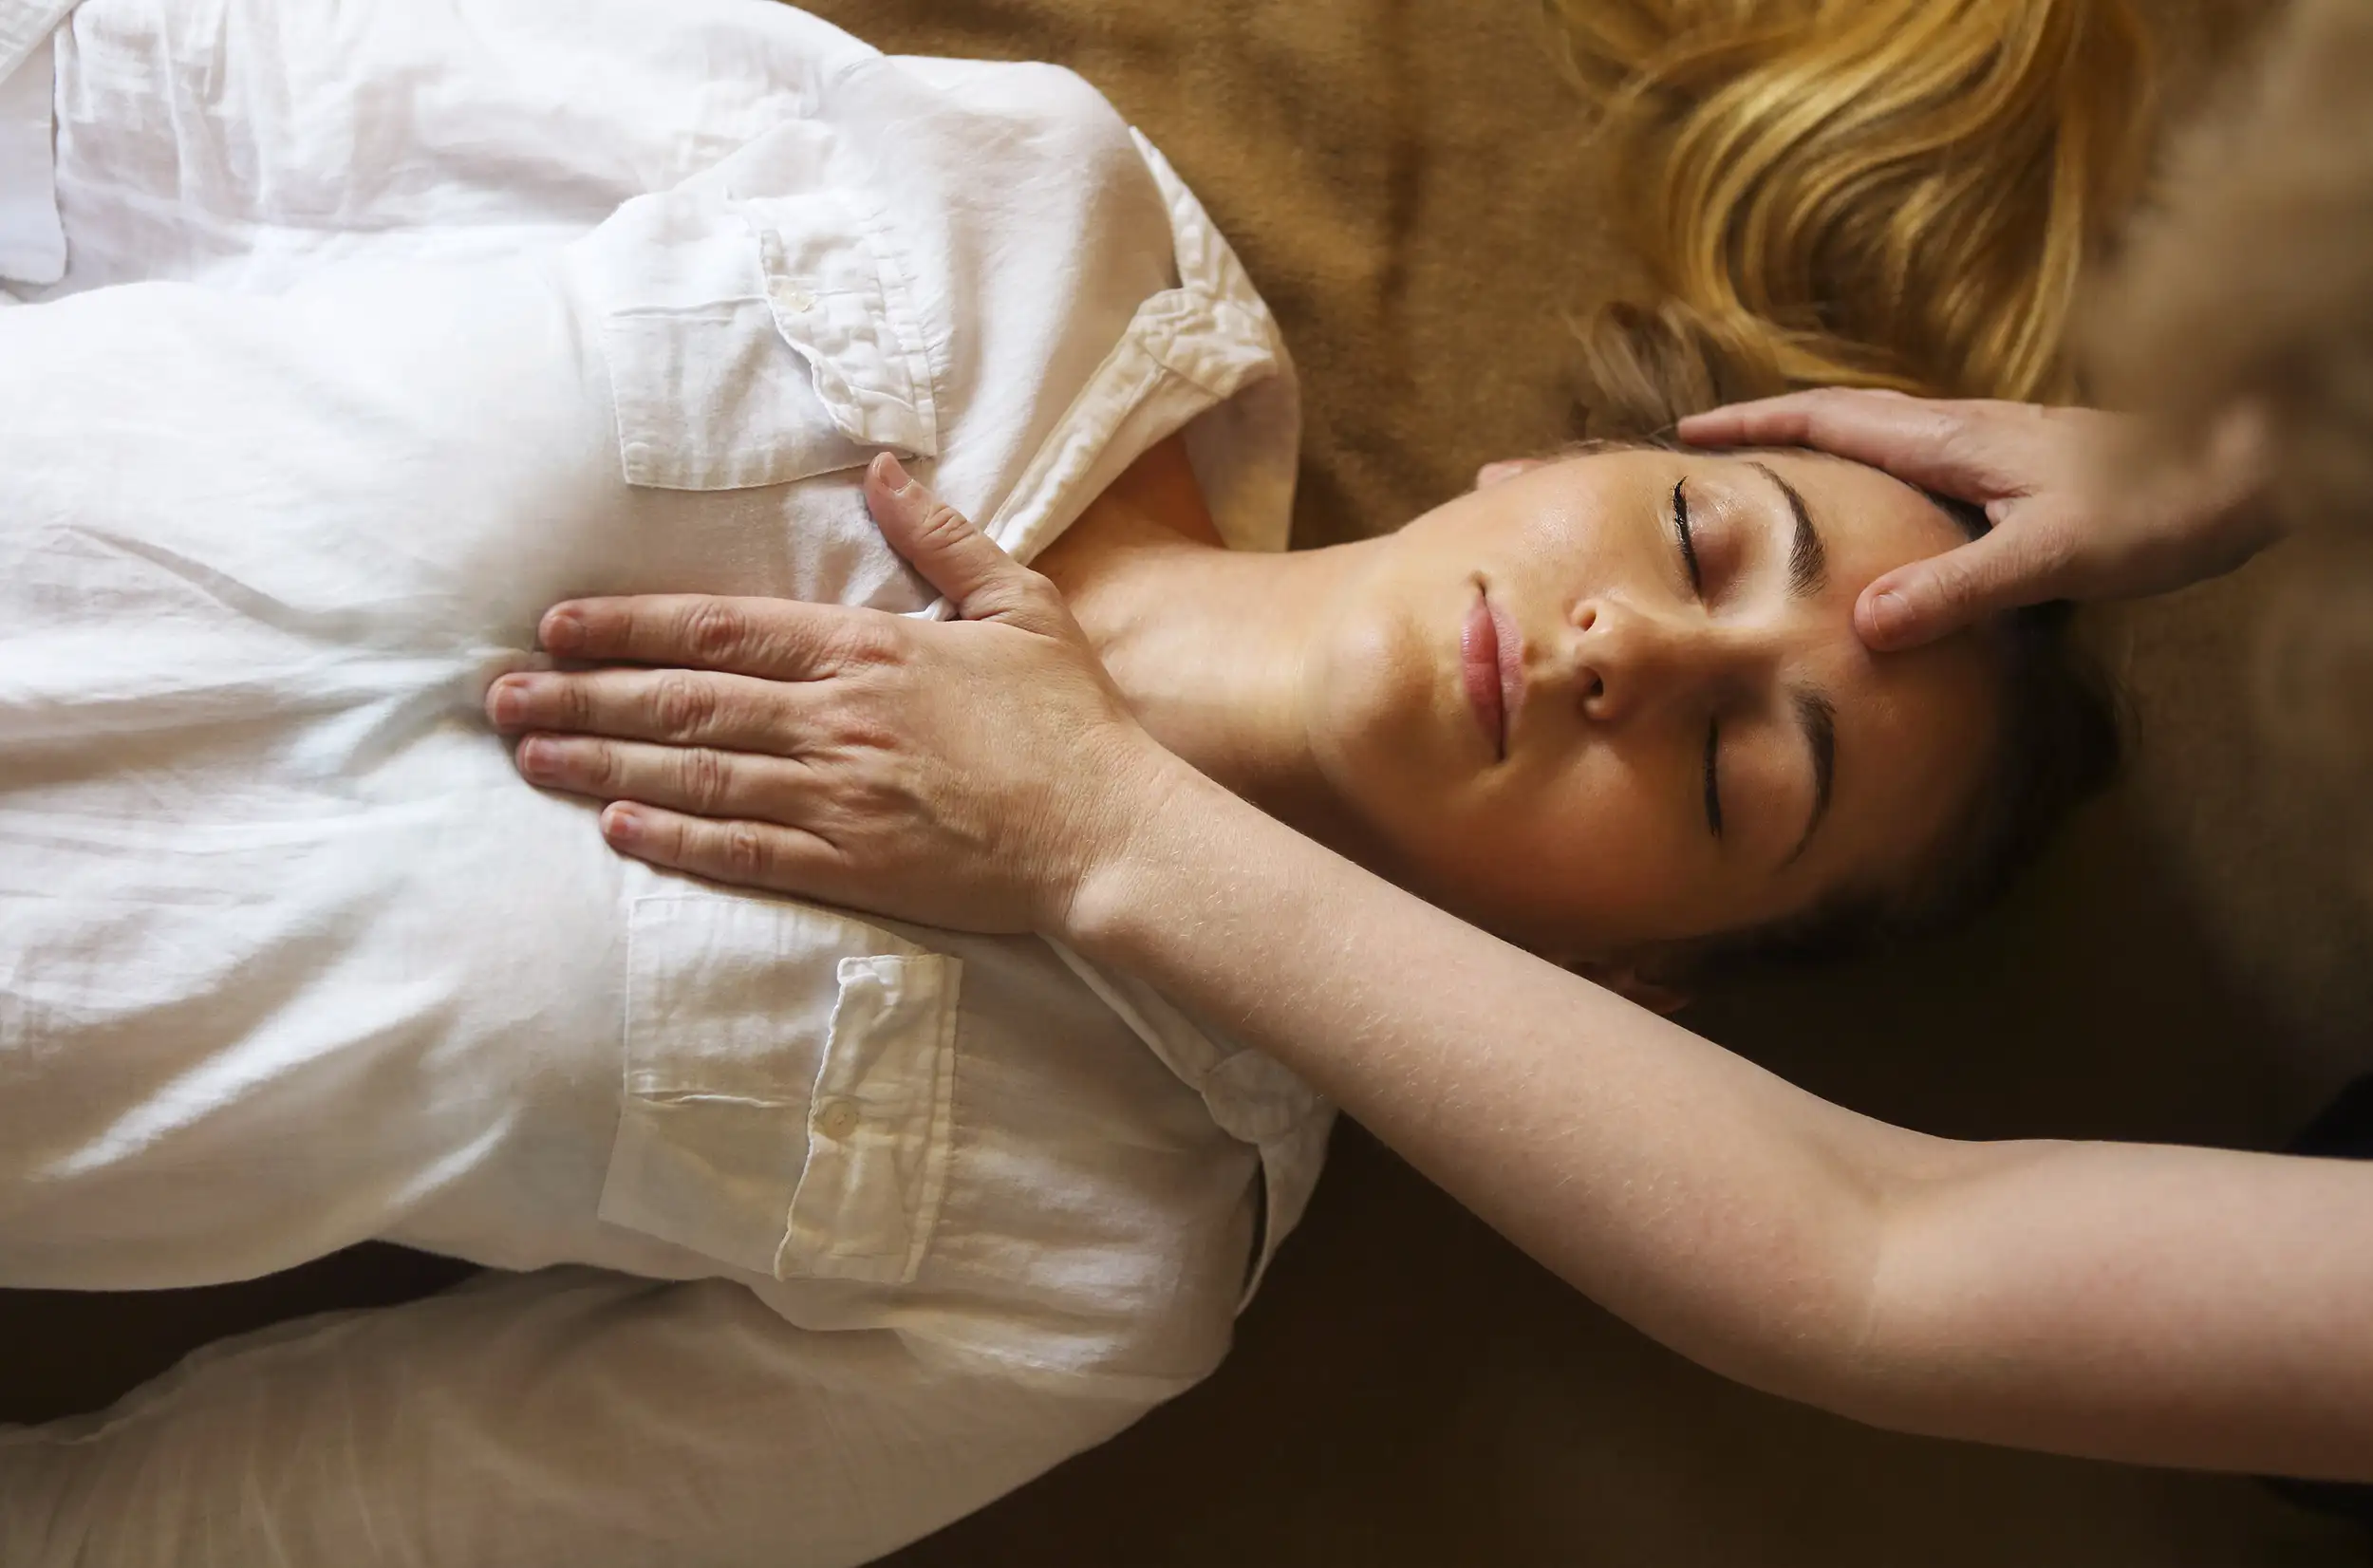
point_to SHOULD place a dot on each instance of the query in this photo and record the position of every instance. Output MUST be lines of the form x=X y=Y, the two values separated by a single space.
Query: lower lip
x=1479 y=666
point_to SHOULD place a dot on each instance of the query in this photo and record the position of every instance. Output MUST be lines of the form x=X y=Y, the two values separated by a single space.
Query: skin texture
x=1329 y=688
x=2075 y=514
x=2151 y=1304
x=1590 y=837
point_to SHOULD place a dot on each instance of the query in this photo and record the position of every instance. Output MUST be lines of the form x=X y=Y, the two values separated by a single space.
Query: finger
x=1760 y=421
x=1926 y=600
x=1780 y=421
x=980 y=579
x=747 y=855
x=771 y=639
x=1915 y=440
x=699 y=779
x=679 y=707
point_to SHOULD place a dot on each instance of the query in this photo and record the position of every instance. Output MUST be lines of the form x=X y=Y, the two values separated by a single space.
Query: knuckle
x=1972 y=577
x=715 y=632
x=868 y=642
x=1948 y=577
x=1954 y=443
x=944 y=523
x=941 y=517
x=742 y=850
x=601 y=766
x=863 y=732
x=566 y=702
x=682 y=705
x=1008 y=590
x=706 y=777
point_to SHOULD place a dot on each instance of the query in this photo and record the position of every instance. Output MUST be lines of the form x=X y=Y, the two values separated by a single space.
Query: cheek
x=1581 y=864
x=1933 y=717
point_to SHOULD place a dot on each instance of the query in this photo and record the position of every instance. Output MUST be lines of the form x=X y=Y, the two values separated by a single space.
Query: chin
x=1367 y=691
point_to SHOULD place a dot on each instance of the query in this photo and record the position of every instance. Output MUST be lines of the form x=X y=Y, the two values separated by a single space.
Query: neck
x=1208 y=646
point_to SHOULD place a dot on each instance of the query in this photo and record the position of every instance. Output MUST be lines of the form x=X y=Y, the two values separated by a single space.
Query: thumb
x=953 y=555
x=1925 y=600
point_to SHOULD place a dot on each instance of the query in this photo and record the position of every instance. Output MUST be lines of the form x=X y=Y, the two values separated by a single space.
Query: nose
x=1629 y=659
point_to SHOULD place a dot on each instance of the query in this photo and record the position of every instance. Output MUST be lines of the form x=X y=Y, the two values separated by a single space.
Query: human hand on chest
x=968 y=773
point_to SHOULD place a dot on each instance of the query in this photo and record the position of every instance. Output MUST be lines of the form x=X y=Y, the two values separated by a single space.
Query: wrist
x=1123 y=843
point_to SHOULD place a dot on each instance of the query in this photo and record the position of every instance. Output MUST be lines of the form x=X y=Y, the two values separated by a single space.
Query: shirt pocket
x=745 y=1138
x=758 y=339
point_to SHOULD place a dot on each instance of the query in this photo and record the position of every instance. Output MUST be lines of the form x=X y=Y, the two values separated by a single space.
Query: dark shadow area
x=77 y=1351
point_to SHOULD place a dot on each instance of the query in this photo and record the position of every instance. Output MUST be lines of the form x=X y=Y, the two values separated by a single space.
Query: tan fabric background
x=1404 y=181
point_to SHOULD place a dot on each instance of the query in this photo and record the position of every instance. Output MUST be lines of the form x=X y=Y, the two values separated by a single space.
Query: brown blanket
x=1401 y=177
x=1405 y=181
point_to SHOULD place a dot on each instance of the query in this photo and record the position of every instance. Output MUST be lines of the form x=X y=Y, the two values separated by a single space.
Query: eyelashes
x=1697 y=585
x=1713 y=778
x=1681 y=531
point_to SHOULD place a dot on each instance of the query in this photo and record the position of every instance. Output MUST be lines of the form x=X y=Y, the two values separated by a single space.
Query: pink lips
x=1490 y=664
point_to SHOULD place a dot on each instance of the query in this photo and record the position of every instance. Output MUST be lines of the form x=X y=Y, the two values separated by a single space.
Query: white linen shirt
x=838 y=1228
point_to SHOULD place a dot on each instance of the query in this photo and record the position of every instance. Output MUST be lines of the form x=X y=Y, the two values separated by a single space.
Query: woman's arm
x=2155 y=1304
x=553 y=1420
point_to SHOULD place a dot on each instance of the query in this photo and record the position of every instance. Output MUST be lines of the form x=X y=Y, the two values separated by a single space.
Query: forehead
x=1914 y=728
x=1870 y=521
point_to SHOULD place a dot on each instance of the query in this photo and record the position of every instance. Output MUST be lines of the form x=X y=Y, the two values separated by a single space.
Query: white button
x=790 y=295
x=838 y=1119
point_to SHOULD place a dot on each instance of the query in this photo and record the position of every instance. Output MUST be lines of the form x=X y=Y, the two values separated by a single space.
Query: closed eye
x=1713 y=778
x=1681 y=530
x=1697 y=583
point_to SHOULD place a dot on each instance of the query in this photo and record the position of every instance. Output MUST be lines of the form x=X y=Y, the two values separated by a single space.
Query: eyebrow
x=1808 y=558
x=1817 y=718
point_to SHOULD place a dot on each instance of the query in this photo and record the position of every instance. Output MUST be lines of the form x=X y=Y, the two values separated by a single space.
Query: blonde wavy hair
x=1896 y=194
x=1865 y=193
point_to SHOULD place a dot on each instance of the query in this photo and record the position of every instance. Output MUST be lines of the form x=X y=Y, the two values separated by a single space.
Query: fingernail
x=508 y=701
x=1890 y=617
x=539 y=759
x=893 y=473
x=622 y=823
x=563 y=628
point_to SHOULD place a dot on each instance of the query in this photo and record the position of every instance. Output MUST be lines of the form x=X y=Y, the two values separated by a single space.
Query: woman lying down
x=816 y=1232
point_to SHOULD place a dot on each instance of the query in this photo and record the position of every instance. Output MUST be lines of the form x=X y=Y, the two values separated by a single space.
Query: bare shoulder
x=1156 y=500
